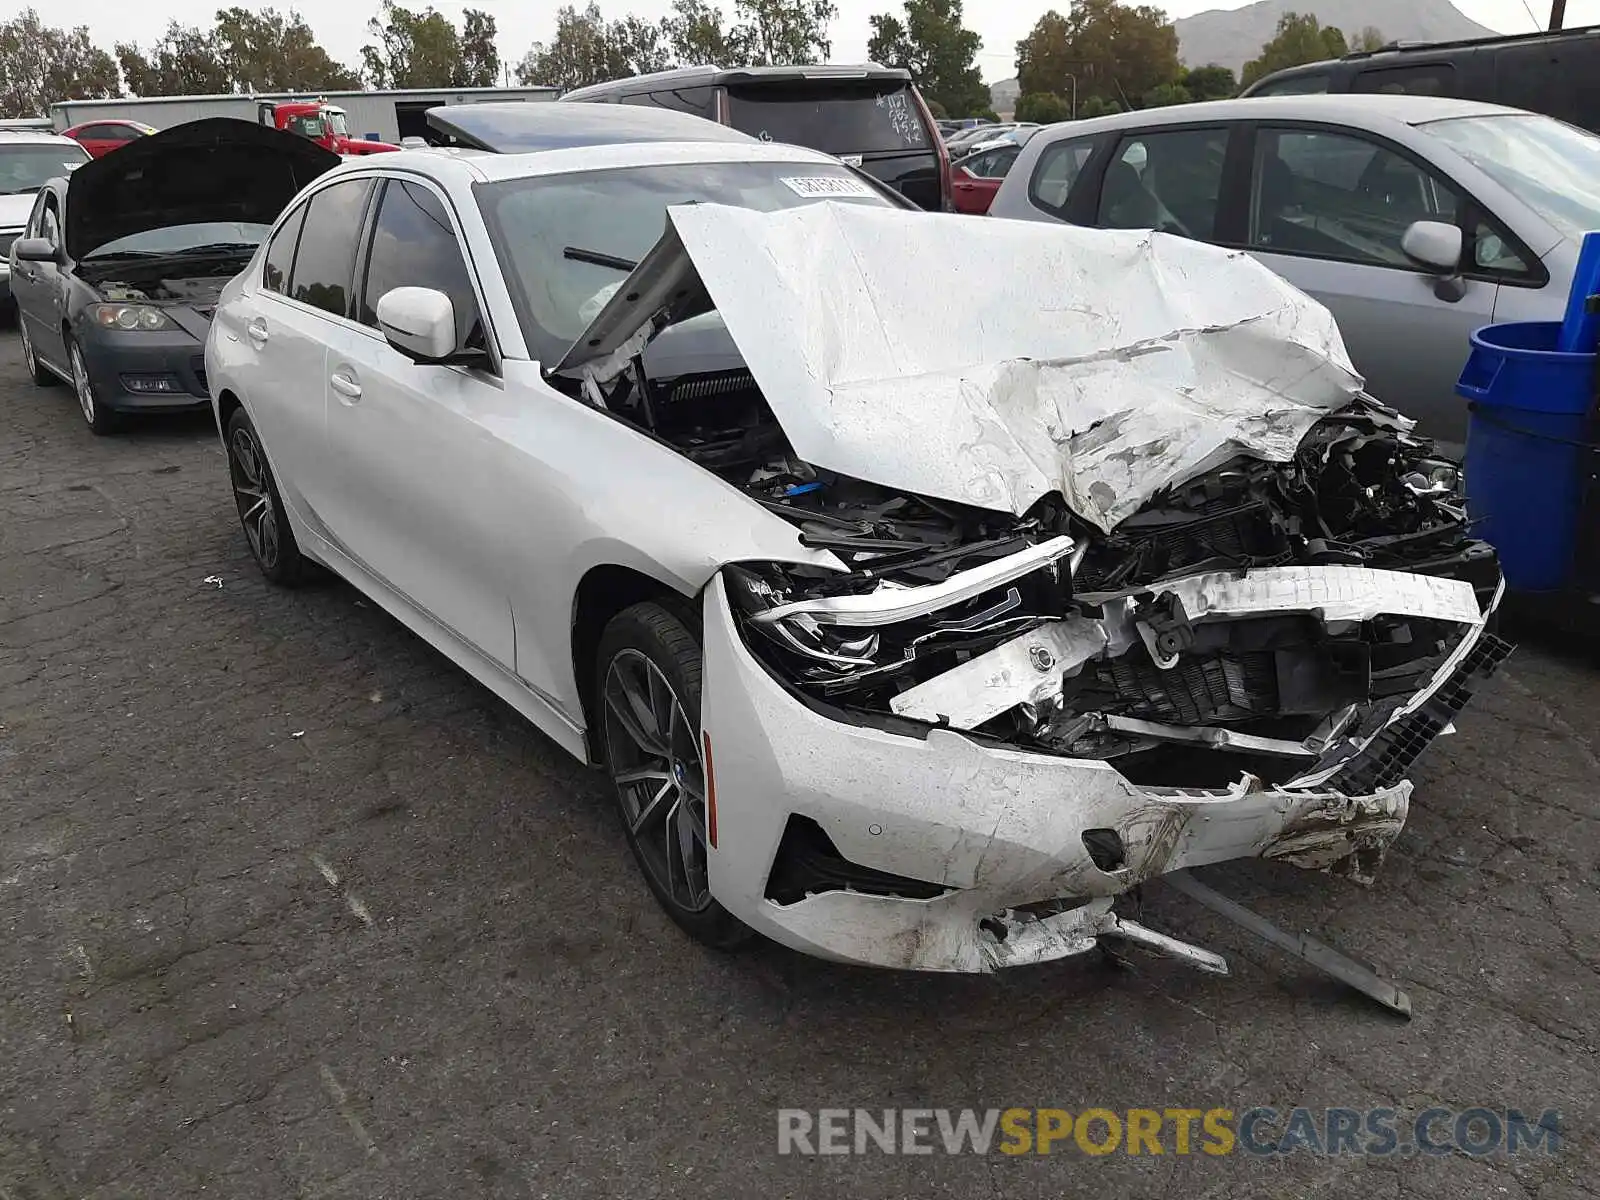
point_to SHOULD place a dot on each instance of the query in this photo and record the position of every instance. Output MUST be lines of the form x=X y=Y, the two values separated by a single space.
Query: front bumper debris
x=1014 y=856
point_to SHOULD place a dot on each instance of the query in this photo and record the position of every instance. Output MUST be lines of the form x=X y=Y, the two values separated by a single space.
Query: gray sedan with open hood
x=121 y=263
x=913 y=626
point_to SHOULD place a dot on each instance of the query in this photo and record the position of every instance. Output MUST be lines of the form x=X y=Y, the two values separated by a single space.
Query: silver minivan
x=1415 y=219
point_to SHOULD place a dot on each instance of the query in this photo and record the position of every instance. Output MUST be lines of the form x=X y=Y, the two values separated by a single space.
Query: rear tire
x=647 y=702
x=255 y=494
x=42 y=375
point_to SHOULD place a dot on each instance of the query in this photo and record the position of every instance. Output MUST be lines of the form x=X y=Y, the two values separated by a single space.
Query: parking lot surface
x=290 y=907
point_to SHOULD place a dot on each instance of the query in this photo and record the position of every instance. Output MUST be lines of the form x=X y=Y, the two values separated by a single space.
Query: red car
x=976 y=178
x=102 y=137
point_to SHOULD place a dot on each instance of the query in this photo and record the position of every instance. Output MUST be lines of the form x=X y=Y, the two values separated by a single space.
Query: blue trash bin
x=1526 y=460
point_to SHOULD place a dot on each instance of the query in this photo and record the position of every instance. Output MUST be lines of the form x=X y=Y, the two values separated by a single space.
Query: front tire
x=647 y=691
x=255 y=493
x=102 y=420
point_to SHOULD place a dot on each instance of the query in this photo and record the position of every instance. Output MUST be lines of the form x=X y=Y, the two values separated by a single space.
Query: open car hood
x=217 y=169
x=991 y=362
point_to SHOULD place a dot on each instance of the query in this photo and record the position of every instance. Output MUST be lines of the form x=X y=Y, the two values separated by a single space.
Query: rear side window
x=848 y=118
x=1313 y=84
x=414 y=245
x=1428 y=79
x=698 y=101
x=325 y=264
x=1057 y=173
x=280 y=254
x=1169 y=181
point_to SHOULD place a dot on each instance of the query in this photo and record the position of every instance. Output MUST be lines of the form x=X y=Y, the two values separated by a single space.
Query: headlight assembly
x=130 y=317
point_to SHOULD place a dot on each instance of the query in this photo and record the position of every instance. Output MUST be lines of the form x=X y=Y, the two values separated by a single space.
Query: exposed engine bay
x=1044 y=633
x=179 y=279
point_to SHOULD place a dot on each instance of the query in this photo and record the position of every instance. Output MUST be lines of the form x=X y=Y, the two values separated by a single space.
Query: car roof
x=1354 y=109
x=480 y=167
x=30 y=137
x=704 y=76
x=516 y=126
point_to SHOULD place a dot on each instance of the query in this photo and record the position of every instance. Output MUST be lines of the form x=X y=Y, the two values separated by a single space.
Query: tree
x=1046 y=108
x=265 y=51
x=939 y=51
x=414 y=49
x=587 y=49
x=781 y=33
x=1166 y=94
x=480 y=57
x=1209 y=83
x=1098 y=106
x=1104 y=50
x=187 y=61
x=1369 y=39
x=696 y=37
x=1299 y=39
x=40 y=64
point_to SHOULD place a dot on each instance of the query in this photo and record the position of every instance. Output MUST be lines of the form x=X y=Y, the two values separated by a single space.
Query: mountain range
x=1232 y=37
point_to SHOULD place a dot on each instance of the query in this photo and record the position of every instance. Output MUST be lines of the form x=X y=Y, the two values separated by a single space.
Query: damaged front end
x=1141 y=588
x=1248 y=667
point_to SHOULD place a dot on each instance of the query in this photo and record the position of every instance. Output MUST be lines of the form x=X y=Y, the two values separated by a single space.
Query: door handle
x=345 y=385
x=257 y=331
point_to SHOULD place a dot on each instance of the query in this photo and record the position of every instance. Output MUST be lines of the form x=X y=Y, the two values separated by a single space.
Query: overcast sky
x=342 y=27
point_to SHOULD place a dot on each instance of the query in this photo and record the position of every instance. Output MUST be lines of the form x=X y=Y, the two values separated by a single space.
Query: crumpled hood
x=217 y=169
x=990 y=362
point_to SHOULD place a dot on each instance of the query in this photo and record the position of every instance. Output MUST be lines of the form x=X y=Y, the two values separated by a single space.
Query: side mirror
x=419 y=322
x=1434 y=245
x=35 y=249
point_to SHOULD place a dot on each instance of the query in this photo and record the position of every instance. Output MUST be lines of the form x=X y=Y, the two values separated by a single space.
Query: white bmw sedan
x=923 y=585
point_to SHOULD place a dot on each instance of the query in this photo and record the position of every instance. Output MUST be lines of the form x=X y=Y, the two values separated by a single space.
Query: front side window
x=275 y=271
x=414 y=245
x=325 y=263
x=1057 y=173
x=25 y=169
x=306 y=127
x=50 y=220
x=991 y=164
x=566 y=243
x=1166 y=180
x=1431 y=79
x=1340 y=196
x=336 y=121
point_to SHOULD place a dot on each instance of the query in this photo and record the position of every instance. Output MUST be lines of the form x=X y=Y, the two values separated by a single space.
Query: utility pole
x=1558 y=14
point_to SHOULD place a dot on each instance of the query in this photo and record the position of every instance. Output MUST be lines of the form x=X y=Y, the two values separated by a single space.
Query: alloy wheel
x=653 y=755
x=248 y=471
x=81 y=385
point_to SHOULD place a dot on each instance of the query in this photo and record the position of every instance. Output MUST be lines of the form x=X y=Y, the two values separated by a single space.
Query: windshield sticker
x=818 y=187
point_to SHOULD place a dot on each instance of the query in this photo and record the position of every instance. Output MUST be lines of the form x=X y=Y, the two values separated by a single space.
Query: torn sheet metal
x=1102 y=364
x=1336 y=593
x=1030 y=669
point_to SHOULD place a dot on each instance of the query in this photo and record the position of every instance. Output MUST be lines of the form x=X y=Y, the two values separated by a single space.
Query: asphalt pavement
x=290 y=907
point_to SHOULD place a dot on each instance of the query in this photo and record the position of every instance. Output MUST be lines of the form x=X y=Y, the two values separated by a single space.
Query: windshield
x=177 y=239
x=1552 y=167
x=29 y=168
x=307 y=127
x=566 y=243
x=836 y=118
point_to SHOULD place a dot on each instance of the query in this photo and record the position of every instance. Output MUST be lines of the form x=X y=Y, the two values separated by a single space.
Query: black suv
x=1550 y=73
x=871 y=117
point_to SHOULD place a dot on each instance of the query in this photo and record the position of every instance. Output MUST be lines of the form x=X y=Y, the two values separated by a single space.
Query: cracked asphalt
x=289 y=907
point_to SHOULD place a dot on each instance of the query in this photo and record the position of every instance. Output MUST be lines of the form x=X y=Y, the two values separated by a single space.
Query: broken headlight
x=801 y=633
